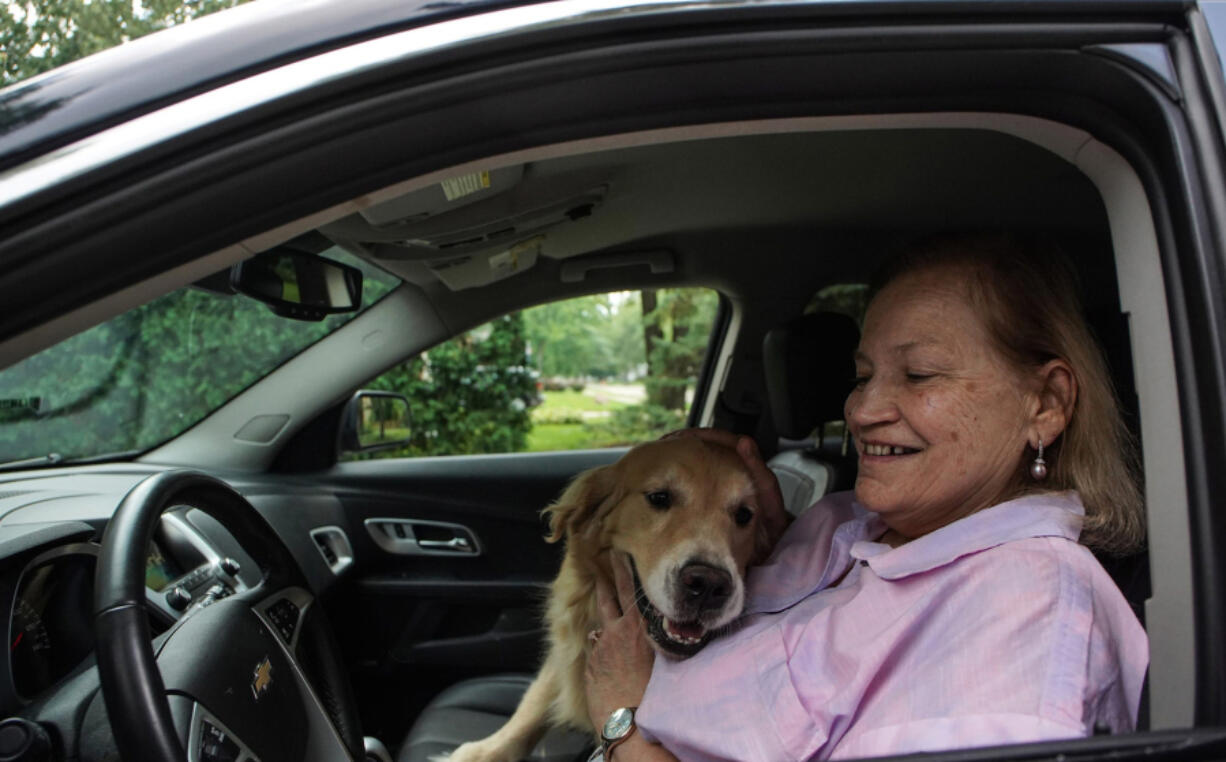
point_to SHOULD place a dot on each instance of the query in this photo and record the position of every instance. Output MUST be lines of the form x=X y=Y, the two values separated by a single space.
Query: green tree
x=38 y=36
x=676 y=329
x=570 y=338
x=467 y=395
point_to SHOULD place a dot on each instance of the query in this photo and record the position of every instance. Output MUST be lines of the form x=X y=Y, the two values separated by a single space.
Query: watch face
x=618 y=724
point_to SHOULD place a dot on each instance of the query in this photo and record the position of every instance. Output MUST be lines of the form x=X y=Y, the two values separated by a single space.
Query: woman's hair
x=1027 y=297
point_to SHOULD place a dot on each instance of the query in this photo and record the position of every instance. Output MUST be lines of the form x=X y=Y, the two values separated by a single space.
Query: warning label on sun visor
x=465 y=185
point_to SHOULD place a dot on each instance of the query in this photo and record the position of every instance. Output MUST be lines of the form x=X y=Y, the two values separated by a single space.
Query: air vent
x=334 y=546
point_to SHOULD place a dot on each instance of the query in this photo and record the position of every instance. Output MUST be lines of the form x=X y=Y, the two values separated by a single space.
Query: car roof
x=115 y=85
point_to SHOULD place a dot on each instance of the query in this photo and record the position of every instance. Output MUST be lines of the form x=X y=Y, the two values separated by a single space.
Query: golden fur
x=607 y=509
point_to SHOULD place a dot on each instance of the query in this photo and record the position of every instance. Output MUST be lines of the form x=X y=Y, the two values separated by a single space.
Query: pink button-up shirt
x=997 y=628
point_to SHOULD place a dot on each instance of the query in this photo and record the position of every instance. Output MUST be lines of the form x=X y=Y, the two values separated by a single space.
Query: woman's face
x=939 y=418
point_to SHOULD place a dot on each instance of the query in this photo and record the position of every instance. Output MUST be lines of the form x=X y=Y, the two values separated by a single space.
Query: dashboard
x=50 y=530
x=54 y=596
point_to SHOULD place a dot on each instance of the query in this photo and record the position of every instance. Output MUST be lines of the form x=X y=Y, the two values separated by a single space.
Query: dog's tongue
x=684 y=630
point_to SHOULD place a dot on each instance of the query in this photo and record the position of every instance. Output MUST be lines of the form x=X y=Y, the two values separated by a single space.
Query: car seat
x=810 y=370
x=473 y=709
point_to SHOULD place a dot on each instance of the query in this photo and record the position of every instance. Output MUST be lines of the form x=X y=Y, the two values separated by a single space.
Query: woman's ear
x=580 y=503
x=1057 y=396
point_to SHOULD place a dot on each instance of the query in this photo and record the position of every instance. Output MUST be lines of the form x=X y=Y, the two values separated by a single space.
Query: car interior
x=765 y=213
x=491 y=160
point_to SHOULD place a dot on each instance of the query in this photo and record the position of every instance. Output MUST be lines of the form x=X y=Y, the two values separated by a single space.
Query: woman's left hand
x=620 y=657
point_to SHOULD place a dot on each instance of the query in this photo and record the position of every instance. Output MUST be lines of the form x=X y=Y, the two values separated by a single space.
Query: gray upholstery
x=802 y=478
x=473 y=709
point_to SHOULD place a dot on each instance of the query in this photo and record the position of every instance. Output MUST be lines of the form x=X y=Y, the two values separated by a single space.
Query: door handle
x=418 y=537
x=455 y=543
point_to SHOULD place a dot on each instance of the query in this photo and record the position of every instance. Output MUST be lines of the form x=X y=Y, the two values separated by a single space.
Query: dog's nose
x=706 y=587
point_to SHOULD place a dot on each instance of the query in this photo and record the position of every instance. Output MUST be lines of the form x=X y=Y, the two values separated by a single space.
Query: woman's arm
x=619 y=664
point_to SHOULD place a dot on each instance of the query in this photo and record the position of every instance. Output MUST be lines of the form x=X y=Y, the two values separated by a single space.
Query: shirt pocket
x=796 y=736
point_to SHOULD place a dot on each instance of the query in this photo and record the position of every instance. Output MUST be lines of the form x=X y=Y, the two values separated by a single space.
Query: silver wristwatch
x=616 y=729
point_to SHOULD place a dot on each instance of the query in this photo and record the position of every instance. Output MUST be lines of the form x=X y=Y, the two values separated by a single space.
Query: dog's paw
x=482 y=751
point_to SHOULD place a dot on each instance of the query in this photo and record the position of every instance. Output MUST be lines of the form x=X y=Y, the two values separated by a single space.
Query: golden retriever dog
x=683 y=510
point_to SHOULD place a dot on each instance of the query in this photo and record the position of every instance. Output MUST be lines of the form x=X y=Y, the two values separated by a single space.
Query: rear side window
x=598 y=371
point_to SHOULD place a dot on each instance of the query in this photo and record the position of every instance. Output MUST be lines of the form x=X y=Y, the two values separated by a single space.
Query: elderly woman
x=953 y=600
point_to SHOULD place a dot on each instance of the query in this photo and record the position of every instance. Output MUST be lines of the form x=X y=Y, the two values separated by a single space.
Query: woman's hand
x=620 y=660
x=774 y=517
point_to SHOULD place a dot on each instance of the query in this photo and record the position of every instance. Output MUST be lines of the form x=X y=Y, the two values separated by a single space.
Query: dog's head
x=685 y=513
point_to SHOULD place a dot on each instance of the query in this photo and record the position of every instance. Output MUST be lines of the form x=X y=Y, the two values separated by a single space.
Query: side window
x=597 y=371
x=850 y=299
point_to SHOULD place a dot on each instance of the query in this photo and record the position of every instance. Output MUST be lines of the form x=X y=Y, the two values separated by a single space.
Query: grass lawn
x=572 y=400
x=558 y=436
x=571 y=435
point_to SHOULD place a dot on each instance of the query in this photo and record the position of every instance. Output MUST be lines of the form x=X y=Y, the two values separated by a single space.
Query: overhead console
x=476 y=228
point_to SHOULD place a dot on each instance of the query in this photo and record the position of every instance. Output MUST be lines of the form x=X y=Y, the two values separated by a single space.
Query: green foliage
x=147 y=375
x=850 y=299
x=589 y=337
x=39 y=36
x=676 y=326
x=640 y=423
x=467 y=395
x=600 y=336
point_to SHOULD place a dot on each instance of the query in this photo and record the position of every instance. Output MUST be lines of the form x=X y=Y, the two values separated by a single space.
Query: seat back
x=809 y=370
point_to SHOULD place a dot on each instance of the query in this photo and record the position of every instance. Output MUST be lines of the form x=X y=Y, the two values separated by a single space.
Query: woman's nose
x=870 y=403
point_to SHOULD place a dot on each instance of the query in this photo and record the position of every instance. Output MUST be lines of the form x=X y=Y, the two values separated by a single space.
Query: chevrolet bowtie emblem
x=261 y=679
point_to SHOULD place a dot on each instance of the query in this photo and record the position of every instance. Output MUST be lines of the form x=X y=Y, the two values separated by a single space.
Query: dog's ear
x=580 y=504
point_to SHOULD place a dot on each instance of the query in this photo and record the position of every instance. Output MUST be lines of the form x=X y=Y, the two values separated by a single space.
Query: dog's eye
x=660 y=499
x=742 y=516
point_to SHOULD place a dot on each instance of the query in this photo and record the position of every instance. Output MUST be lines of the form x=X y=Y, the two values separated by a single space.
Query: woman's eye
x=660 y=499
x=919 y=376
x=742 y=516
x=860 y=380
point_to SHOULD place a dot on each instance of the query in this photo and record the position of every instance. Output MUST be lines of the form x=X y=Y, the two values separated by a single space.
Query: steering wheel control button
x=229 y=566
x=284 y=615
x=22 y=739
x=178 y=598
x=215 y=745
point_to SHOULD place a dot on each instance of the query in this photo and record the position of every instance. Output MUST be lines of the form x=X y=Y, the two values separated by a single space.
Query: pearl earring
x=1038 y=469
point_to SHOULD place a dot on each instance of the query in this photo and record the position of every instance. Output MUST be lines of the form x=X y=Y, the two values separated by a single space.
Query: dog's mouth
x=682 y=639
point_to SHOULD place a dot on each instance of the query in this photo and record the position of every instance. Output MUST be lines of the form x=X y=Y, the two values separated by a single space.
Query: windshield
x=146 y=376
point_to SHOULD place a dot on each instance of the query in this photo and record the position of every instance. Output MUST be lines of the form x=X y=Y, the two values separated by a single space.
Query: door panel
x=417 y=621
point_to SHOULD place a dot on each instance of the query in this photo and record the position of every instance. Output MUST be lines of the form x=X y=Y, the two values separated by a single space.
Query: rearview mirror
x=375 y=420
x=299 y=285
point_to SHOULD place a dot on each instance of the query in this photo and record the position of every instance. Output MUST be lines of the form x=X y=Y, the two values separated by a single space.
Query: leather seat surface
x=473 y=709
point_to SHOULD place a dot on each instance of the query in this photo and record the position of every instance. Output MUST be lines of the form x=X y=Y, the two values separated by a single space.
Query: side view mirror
x=299 y=285
x=374 y=420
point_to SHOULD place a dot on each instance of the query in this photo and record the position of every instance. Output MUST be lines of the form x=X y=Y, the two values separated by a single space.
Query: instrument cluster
x=51 y=617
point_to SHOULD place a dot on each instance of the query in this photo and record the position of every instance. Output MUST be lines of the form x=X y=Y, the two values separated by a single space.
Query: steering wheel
x=226 y=681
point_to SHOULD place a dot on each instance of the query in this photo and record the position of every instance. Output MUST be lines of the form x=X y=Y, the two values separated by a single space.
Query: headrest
x=809 y=369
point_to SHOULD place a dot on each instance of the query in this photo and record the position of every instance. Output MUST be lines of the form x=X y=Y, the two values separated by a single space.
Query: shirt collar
x=1049 y=514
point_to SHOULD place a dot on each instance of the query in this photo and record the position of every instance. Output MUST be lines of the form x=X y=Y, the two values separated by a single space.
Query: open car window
x=607 y=370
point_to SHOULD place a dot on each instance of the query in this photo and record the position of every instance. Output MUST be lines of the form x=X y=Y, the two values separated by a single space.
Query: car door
x=446 y=531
